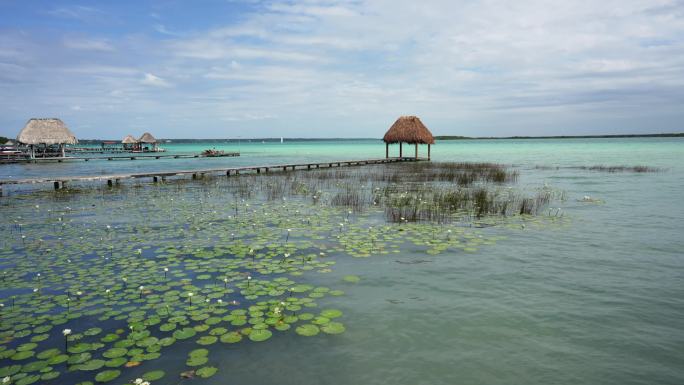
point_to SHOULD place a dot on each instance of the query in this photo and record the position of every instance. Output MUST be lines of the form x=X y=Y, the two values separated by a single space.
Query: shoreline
x=437 y=137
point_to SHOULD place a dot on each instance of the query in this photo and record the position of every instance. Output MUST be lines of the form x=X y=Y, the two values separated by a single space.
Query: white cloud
x=155 y=81
x=88 y=44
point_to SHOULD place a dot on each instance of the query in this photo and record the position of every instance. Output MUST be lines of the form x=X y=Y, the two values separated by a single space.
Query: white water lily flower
x=191 y=294
x=219 y=300
x=66 y=332
x=145 y=383
x=6 y=380
x=79 y=293
x=141 y=287
x=107 y=291
x=138 y=381
x=166 y=269
x=249 y=277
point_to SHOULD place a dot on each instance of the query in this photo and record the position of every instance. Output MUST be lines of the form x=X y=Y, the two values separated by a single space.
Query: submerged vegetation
x=98 y=284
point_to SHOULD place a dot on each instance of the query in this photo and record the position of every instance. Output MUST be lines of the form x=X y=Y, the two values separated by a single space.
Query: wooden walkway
x=133 y=156
x=61 y=182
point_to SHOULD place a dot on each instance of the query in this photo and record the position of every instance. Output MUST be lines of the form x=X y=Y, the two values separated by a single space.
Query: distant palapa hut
x=147 y=138
x=129 y=142
x=408 y=129
x=48 y=134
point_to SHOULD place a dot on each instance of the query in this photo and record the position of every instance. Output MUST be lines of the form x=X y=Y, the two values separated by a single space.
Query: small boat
x=282 y=139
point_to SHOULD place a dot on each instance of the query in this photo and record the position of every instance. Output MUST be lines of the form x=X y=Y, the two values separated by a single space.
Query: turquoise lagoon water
x=599 y=300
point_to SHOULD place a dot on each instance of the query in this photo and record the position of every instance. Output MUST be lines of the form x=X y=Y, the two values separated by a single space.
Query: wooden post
x=401 y=154
x=155 y=179
x=386 y=150
x=416 y=151
x=428 y=152
x=56 y=184
x=109 y=182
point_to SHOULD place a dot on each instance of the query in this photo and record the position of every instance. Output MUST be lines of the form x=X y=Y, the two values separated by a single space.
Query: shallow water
x=596 y=299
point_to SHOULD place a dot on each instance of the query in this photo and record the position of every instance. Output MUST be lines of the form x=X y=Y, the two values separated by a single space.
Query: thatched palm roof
x=409 y=129
x=46 y=131
x=129 y=139
x=147 y=138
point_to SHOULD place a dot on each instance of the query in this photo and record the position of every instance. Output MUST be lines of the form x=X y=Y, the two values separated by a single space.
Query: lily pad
x=107 y=375
x=259 y=335
x=153 y=375
x=333 y=328
x=206 y=372
x=307 y=330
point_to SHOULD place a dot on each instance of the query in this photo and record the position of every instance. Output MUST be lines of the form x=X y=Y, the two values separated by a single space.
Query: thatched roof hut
x=147 y=138
x=46 y=131
x=408 y=129
x=129 y=139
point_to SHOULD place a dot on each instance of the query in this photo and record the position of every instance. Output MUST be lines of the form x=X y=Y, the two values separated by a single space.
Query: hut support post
x=61 y=148
x=386 y=150
x=401 y=154
x=416 y=151
x=428 y=152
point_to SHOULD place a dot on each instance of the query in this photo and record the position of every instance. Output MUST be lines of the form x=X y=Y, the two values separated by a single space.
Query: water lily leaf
x=91 y=365
x=259 y=335
x=185 y=333
x=107 y=375
x=197 y=361
x=231 y=338
x=27 y=380
x=153 y=375
x=331 y=313
x=206 y=372
x=333 y=328
x=116 y=362
x=207 y=340
x=307 y=330
x=351 y=278
x=23 y=355
x=115 y=352
x=9 y=370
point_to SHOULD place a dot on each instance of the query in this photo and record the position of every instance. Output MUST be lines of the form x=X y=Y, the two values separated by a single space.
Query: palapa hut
x=129 y=142
x=147 y=138
x=46 y=134
x=408 y=129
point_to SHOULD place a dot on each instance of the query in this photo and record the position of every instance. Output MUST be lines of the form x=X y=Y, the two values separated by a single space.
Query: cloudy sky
x=332 y=68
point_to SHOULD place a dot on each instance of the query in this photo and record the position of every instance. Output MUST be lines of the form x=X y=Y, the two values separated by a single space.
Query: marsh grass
x=605 y=168
x=433 y=192
x=614 y=169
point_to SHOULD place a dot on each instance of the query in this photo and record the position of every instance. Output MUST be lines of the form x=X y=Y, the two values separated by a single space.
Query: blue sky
x=229 y=68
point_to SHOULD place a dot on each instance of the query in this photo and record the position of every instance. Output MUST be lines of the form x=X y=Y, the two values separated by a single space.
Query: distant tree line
x=664 y=135
x=3 y=140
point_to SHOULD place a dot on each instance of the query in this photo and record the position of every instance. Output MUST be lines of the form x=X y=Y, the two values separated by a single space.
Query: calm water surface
x=600 y=301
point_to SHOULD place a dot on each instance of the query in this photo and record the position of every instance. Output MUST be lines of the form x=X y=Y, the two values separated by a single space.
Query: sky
x=334 y=68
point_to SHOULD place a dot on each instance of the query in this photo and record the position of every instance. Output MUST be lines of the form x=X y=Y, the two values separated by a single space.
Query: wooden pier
x=61 y=182
x=132 y=156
